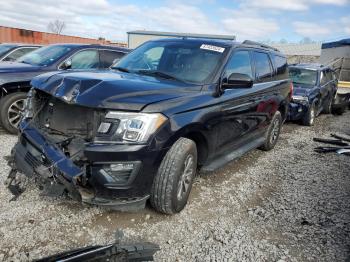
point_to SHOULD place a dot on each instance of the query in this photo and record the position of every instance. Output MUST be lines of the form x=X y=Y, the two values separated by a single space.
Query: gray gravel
x=289 y=204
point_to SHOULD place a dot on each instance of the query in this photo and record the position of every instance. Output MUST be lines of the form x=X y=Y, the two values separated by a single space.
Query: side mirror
x=67 y=64
x=237 y=80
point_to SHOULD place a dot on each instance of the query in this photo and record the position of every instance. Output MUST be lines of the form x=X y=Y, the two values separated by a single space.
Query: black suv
x=142 y=130
x=15 y=76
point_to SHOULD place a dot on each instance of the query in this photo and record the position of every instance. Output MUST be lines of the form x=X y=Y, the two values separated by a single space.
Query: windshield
x=5 y=48
x=44 y=55
x=303 y=76
x=185 y=61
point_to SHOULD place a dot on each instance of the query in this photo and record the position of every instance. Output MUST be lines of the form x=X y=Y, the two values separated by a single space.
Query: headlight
x=129 y=127
x=28 y=105
x=300 y=98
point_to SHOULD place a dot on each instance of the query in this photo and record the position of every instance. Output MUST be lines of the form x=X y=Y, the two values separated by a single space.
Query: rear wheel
x=273 y=132
x=339 y=110
x=328 y=106
x=11 y=108
x=173 y=182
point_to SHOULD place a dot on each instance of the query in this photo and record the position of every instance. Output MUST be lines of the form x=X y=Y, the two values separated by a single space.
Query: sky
x=261 y=20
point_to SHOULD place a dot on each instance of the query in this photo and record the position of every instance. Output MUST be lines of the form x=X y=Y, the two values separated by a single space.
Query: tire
x=15 y=103
x=309 y=118
x=339 y=110
x=169 y=194
x=328 y=106
x=273 y=132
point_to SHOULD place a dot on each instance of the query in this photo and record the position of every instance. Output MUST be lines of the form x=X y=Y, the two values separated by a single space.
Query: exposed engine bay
x=68 y=126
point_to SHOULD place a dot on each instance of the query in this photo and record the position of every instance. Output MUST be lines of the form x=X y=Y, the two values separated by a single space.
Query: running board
x=222 y=160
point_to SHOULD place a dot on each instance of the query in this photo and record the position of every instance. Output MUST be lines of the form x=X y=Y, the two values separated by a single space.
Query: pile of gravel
x=289 y=204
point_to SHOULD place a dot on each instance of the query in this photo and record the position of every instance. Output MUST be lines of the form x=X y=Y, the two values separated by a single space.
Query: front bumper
x=33 y=155
x=297 y=111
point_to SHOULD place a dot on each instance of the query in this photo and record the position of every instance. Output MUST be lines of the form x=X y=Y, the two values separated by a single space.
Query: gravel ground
x=289 y=204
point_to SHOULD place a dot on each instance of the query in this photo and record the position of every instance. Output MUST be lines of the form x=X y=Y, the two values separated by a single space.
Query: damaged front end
x=67 y=149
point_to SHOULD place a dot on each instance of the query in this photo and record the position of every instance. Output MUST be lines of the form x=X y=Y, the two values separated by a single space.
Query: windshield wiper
x=121 y=69
x=160 y=74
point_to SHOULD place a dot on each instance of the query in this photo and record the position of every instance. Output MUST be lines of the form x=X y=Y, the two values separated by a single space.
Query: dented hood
x=302 y=90
x=110 y=89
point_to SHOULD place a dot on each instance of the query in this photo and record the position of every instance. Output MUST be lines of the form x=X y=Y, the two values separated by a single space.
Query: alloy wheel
x=14 y=112
x=185 y=178
x=275 y=131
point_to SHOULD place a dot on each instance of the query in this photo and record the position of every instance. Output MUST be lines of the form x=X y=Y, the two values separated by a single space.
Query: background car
x=15 y=76
x=315 y=87
x=11 y=52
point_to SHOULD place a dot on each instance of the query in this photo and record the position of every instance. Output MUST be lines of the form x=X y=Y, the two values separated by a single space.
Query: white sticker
x=213 y=48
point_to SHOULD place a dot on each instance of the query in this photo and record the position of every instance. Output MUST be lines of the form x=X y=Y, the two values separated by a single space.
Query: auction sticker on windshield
x=213 y=48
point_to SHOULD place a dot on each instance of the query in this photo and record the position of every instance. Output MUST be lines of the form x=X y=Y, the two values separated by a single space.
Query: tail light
x=291 y=90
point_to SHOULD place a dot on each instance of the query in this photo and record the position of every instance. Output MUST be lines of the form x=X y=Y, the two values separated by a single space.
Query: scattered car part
x=327 y=149
x=341 y=141
x=344 y=151
x=337 y=142
x=111 y=252
x=343 y=138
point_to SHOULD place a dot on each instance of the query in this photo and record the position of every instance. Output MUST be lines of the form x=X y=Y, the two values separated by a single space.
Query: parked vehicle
x=315 y=87
x=15 y=76
x=11 y=52
x=143 y=129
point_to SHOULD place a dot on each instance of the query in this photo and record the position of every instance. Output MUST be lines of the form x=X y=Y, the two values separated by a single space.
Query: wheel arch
x=13 y=87
x=195 y=132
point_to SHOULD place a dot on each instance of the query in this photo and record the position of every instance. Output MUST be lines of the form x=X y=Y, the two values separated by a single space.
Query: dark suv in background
x=315 y=87
x=15 y=76
x=11 y=52
x=142 y=130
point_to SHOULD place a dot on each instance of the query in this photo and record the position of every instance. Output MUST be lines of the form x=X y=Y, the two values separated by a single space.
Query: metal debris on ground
x=111 y=252
x=342 y=144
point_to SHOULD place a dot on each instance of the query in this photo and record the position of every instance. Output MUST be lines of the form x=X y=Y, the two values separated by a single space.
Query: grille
x=30 y=159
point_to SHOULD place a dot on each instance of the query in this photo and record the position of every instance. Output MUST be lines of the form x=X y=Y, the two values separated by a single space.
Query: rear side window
x=281 y=66
x=109 y=57
x=18 y=53
x=239 y=63
x=263 y=67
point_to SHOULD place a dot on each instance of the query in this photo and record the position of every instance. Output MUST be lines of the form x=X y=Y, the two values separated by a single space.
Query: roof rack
x=249 y=42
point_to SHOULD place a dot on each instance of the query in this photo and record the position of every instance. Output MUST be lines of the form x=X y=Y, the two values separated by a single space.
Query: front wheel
x=173 y=182
x=11 y=108
x=309 y=117
x=273 y=132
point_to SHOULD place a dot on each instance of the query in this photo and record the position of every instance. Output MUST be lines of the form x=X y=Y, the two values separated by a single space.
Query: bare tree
x=56 y=26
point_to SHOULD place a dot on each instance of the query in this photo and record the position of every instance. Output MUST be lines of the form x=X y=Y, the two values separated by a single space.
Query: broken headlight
x=28 y=105
x=130 y=127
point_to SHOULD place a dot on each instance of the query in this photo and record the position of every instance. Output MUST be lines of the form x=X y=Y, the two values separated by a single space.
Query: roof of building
x=312 y=49
x=343 y=42
x=172 y=34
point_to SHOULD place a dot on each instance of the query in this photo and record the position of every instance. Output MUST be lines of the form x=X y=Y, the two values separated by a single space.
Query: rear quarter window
x=281 y=66
x=263 y=66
